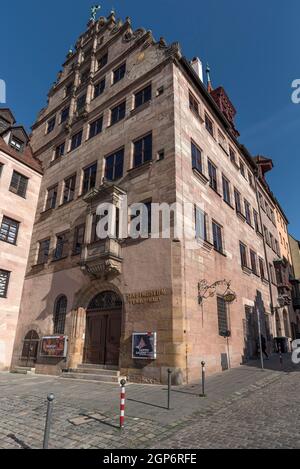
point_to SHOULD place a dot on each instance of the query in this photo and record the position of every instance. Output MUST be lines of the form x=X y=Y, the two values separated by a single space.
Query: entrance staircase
x=23 y=370
x=99 y=373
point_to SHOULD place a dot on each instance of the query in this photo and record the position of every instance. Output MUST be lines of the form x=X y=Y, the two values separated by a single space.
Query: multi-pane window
x=18 y=184
x=262 y=268
x=217 y=237
x=78 y=239
x=201 y=224
x=261 y=201
x=119 y=73
x=81 y=102
x=194 y=104
x=212 y=172
x=226 y=190
x=142 y=151
x=62 y=246
x=60 y=150
x=222 y=141
x=146 y=210
x=4 y=280
x=9 y=230
x=43 y=254
x=102 y=61
x=51 y=197
x=247 y=212
x=76 y=140
x=16 y=143
x=99 y=88
x=272 y=241
x=250 y=178
x=253 y=259
x=96 y=127
x=114 y=165
x=89 y=178
x=237 y=199
x=69 y=189
x=272 y=273
x=256 y=222
x=243 y=253
x=118 y=113
x=222 y=316
x=267 y=237
x=59 y=318
x=209 y=125
x=242 y=169
x=232 y=155
x=143 y=96
x=51 y=125
x=196 y=157
x=64 y=114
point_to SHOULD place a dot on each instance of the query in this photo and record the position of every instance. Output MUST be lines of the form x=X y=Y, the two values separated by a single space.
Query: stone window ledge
x=200 y=176
x=140 y=108
x=139 y=169
x=246 y=270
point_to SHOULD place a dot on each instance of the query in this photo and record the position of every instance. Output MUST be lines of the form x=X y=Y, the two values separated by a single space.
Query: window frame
x=21 y=180
x=141 y=140
x=218 y=242
x=118 y=73
x=11 y=223
x=7 y=275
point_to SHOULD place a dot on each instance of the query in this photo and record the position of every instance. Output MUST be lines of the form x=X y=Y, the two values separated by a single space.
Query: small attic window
x=16 y=143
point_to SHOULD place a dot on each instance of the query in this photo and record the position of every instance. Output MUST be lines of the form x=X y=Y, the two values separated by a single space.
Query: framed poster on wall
x=144 y=345
x=54 y=346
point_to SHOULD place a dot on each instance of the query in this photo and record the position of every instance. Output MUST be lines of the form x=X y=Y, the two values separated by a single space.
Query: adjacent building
x=20 y=180
x=130 y=117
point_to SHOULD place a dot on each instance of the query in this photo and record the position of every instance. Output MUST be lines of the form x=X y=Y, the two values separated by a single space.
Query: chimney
x=197 y=66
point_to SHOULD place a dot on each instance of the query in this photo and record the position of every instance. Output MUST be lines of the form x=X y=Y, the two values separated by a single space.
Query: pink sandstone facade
x=131 y=116
x=20 y=180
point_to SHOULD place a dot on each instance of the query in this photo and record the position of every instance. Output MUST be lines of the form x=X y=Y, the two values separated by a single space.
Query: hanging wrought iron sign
x=207 y=291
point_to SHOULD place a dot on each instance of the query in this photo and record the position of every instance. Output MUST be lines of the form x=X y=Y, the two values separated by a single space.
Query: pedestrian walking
x=264 y=346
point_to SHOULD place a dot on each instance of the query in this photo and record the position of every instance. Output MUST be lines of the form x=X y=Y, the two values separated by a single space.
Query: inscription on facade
x=149 y=296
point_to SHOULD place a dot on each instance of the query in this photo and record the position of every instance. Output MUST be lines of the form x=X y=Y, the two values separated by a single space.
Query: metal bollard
x=122 y=404
x=280 y=356
x=203 y=380
x=50 y=399
x=169 y=387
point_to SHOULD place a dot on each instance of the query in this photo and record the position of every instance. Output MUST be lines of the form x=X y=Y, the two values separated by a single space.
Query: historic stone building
x=130 y=116
x=20 y=180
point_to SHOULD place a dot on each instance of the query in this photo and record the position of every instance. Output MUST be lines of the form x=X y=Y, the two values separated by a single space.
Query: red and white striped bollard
x=122 y=404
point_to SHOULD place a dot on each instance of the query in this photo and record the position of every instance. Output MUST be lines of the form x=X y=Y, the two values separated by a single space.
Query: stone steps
x=95 y=371
x=23 y=370
x=104 y=378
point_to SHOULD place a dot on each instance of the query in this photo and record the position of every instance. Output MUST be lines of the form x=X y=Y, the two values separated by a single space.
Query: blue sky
x=252 y=49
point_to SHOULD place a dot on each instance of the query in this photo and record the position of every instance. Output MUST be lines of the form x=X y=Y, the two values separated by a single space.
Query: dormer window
x=16 y=143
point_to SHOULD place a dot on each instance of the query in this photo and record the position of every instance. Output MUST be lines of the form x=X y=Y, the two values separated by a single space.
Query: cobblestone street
x=244 y=408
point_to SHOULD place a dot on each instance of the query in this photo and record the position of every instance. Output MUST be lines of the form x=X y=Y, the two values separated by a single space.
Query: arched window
x=106 y=300
x=30 y=345
x=60 y=311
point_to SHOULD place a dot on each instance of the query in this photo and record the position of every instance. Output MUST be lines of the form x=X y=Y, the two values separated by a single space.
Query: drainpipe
x=265 y=250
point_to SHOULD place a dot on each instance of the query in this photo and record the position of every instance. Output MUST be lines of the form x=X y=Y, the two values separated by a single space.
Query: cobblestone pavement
x=245 y=407
x=268 y=418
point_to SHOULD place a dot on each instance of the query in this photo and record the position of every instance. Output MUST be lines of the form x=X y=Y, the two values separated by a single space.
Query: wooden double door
x=102 y=339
